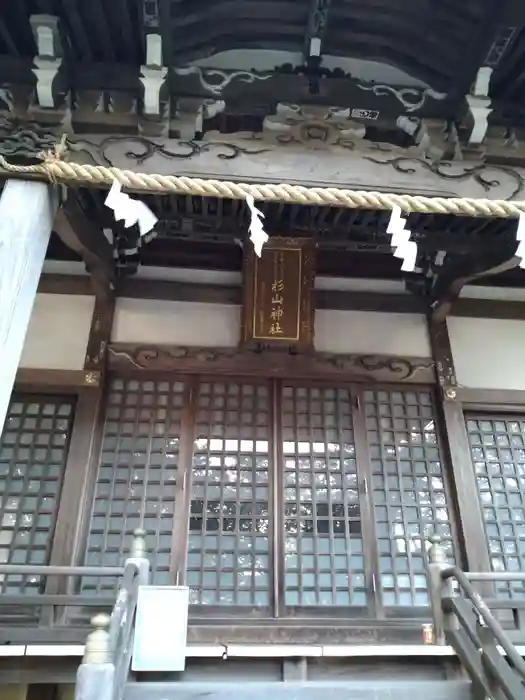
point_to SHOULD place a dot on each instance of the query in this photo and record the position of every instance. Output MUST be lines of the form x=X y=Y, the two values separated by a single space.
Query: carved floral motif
x=178 y=150
x=271 y=363
x=454 y=171
x=214 y=80
x=411 y=98
x=24 y=139
x=316 y=127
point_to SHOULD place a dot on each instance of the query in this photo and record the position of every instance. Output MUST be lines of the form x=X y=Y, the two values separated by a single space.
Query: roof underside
x=441 y=43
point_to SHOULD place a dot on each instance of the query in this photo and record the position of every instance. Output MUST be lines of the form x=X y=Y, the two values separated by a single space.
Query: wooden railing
x=55 y=611
x=106 y=665
x=50 y=618
x=469 y=623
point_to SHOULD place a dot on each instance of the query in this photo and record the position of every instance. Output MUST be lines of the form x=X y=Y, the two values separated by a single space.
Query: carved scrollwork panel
x=25 y=140
x=230 y=361
x=140 y=149
x=480 y=173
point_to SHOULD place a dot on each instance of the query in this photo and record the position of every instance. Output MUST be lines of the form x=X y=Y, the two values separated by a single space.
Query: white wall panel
x=488 y=353
x=370 y=332
x=58 y=332
x=214 y=325
x=150 y=322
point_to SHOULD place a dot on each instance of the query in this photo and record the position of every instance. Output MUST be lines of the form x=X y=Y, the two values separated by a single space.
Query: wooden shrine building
x=293 y=431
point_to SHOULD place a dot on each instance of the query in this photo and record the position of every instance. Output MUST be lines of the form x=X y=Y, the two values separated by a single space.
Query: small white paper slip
x=161 y=629
x=520 y=237
x=396 y=223
x=399 y=239
x=258 y=235
x=520 y=231
x=131 y=211
x=409 y=257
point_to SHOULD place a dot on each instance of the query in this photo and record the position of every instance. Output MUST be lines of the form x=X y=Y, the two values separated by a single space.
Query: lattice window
x=409 y=495
x=324 y=563
x=228 y=550
x=33 y=453
x=137 y=476
x=497 y=446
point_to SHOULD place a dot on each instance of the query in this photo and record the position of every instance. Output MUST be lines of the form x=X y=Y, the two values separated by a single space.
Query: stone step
x=313 y=690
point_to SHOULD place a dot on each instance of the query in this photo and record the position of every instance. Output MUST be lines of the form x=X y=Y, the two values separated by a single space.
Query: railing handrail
x=108 y=651
x=494 y=576
x=486 y=616
x=29 y=570
x=465 y=621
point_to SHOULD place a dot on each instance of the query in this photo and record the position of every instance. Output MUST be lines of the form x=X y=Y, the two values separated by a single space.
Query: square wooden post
x=27 y=211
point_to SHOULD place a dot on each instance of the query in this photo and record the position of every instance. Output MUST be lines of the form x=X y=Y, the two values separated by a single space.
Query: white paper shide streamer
x=520 y=237
x=258 y=235
x=404 y=248
x=131 y=211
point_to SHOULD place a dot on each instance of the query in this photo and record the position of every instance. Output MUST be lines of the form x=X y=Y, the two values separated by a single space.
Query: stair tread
x=385 y=689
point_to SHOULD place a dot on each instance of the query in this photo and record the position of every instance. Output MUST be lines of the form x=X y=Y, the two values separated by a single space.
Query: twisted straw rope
x=56 y=170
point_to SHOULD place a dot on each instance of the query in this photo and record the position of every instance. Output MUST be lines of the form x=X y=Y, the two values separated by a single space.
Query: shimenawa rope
x=55 y=169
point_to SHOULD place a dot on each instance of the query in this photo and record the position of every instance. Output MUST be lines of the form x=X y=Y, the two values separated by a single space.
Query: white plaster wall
x=214 y=325
x=153 y=322
x=371 y=332
x=58 y=332
x=488 y=353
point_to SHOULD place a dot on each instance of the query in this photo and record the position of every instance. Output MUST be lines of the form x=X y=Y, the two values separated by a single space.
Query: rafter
x=8 y=39
x=315 y=34
x=476 y=48
x=317 y=25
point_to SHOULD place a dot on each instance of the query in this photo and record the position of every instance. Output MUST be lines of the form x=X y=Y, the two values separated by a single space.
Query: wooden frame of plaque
x=278 y=309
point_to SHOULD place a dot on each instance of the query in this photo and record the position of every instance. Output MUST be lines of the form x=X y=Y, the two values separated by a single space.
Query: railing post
x=96 y=673
x=437 y=562
x=139 y=556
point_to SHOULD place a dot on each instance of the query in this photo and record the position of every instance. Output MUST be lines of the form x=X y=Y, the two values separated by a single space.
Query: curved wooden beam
x=468 y=268
x=88 y=240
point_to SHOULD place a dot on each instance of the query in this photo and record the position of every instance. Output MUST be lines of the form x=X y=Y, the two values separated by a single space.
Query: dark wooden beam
x=98 y=341
x=65 y=284
x=340 y=300
x=42 y=691
x=291 y=85
x=470 y=523
x=459 y=271
x=489 y=308
x=180 y=291
x=130 y=358
x=493 y=399
x=88 y=240
x=50 y=380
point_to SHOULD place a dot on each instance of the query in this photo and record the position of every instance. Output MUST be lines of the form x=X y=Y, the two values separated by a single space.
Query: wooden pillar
x=26 y=217
x=82 y=462
x=457 y=451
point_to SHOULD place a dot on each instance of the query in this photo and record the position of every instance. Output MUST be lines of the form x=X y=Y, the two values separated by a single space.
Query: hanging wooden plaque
x=278 y=308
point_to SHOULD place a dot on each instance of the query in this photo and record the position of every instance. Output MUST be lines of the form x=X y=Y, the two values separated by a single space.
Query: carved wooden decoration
x=278 y=308
x=127 y=358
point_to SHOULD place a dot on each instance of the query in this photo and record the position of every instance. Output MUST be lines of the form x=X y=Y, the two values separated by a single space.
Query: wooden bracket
x=88 y=240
